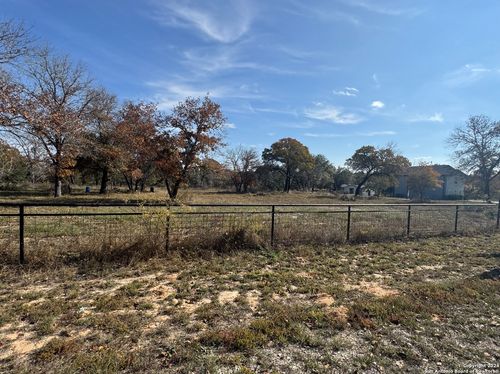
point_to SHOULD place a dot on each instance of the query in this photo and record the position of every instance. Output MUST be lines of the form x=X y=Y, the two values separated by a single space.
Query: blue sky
x=335 y=75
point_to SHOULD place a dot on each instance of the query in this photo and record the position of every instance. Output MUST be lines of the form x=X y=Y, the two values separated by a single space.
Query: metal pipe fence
x=66 y=227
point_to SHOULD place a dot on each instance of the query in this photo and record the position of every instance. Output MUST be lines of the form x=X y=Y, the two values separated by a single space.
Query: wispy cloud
x=347 y=91
x=169 y=93
x=333 y=114
x=468 y=74
x=436 y=117
x=230 y=125
x=379 y=8
x=377 y=104
x=223 y=21
x=291 y=112
x=356 y=134
x=224 y=58
x=376 y=80
x=300 y=8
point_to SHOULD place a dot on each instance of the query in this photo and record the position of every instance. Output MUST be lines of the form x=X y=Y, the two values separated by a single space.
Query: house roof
x=445 y=170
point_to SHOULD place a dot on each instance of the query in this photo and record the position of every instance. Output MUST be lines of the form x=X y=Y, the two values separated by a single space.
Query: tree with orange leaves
x=49 y=106
x=193 y=129
x=137 y=133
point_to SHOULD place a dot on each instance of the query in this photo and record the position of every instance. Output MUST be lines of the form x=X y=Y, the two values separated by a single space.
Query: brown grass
x=405 y=306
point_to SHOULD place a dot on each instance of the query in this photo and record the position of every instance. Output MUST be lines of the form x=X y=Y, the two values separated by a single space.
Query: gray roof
x=445 y=170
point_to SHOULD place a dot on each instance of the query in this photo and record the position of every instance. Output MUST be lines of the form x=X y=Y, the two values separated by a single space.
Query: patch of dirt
x=373 y=288
x=303 y=274
x=227 y=296
x=36 y=288
x=120 y=282
x=159 y=293
x=24 y=345
x=156 y=322
x=253 y=299
x=324 y=299
x=191 y=307
x=341 y=312
x=429 y=267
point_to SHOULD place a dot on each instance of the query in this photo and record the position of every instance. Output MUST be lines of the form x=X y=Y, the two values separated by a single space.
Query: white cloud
x=333 y=114
x=375 y=80
x=377 y=104
x=224 y=21
x=230 y=125
x=468 y=74
x=214 y=60
x=170 y=93
x=347 y=91
x=436 y=117
x=357 y=134
x=327 y=14
x=375 y=7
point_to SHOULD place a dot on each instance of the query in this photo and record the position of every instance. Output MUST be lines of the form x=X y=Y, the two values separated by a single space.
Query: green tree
x=289 y=157
x=342 y=176
x=13 y=166
x=370 y=162
x=322 y=173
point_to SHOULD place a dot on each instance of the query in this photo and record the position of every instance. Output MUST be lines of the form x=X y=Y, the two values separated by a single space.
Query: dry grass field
x=197 y=196
x=416 y=305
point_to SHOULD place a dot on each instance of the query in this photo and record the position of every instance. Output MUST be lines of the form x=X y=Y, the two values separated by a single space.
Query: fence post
x=21 y=234
x=498 y=215
x=408 y=221
x=167 y=232
x=456 y=218
x=272 y=225
x=348 y=236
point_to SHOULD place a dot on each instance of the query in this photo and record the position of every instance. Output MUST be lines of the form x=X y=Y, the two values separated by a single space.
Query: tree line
x=59 y=125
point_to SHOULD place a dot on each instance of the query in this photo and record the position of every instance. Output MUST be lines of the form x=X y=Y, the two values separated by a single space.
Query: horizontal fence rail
x=69 y=227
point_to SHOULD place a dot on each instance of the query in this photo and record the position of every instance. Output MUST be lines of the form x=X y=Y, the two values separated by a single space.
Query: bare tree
x=243 y=162
x=15 y=41
x=49 y=106
x=477 y=149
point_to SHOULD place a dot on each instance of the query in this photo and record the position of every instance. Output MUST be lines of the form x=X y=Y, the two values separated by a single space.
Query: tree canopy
x=289 y=157
x=371 y=162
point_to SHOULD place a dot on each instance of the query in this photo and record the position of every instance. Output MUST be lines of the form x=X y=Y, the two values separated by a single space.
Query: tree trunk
x=486 y=188
x=287 y=183
x=171 y=190
x=358 y=189
x=361 y=184
x=57 y=187
x=128 y=181
x=104 y=181
x=57 y=182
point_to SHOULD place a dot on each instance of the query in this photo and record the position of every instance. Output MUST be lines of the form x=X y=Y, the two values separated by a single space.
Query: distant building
x=350 y=189
x=452 y=187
